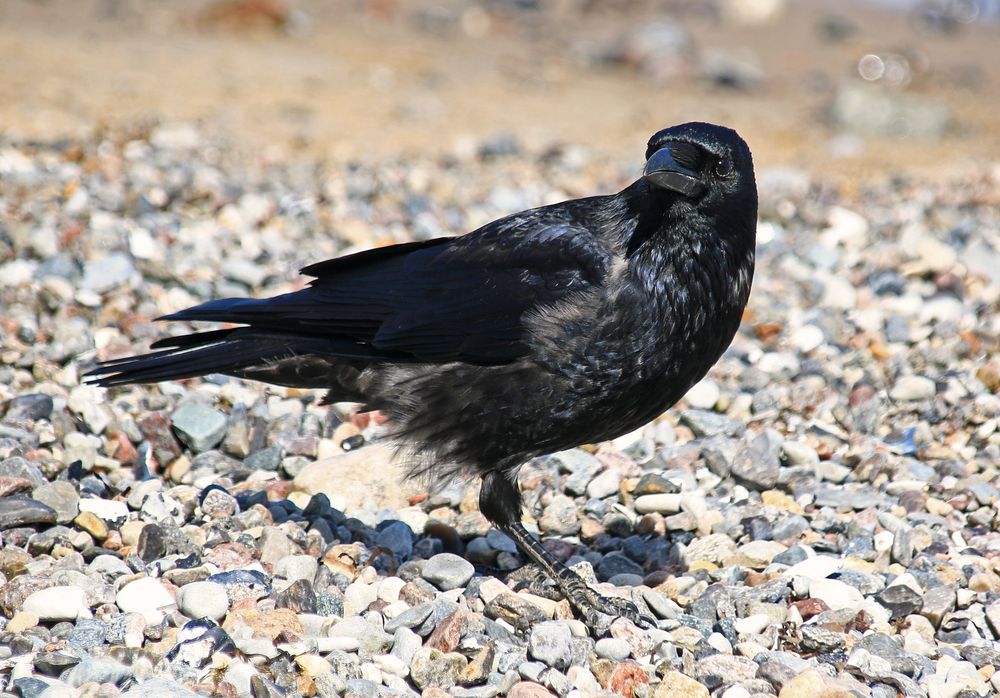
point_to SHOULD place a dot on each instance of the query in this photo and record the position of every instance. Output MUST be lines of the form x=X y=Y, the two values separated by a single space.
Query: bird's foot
x=600 y=611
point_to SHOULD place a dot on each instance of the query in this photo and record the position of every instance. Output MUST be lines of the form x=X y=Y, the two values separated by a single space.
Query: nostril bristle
x=687 y=155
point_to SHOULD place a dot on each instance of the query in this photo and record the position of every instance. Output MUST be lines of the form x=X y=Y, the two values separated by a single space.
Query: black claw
x=599 y=611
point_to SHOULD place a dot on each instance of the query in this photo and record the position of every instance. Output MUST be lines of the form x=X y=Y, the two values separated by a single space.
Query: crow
x=558 y=326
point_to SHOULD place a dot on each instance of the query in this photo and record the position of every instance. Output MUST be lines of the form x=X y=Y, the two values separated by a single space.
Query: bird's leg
x=500 y=502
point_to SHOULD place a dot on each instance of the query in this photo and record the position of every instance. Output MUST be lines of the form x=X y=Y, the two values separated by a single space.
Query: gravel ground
x=819 y=517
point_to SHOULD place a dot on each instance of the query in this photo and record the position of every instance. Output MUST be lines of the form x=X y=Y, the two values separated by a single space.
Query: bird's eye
x=724 y=167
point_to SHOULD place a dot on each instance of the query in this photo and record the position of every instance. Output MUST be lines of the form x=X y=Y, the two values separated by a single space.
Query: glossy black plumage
x=561 y=325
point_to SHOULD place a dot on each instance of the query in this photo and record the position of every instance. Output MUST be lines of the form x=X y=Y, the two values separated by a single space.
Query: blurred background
x=848 y=90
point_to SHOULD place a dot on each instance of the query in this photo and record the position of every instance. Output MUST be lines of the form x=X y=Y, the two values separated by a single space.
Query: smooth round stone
x=612 y=648
x=752 y=625
x=447 y=571
x=758 y=554
x=92 y=524
x=604 y=485
x=664 y=503
x=359 y=596
x=703 y=395
x=718 y=642
x=798 y=453
x=397 y=537
x=807 y=338
x=57 y=603
x=203 y=600
x=835 y=594
x=147 y=597
x=912 y=389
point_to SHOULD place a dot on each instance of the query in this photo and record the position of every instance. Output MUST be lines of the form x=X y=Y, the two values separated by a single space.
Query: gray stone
x=62 y=497
x=30 y=407
x=410 y=618
x=705 y=423
x=612 y=648
x=723 y=670
x=757 y=465
x=819 y=639
x=560 y=517
x=17 y=467
x=431 y=667
x=265 y=459
x=199 y=427
x=447 y=571
x=616 y=563
x=102 y=275
x=551 y=642
x=901 y=600
x=17 y=510
x=397 y=537
x=98 y=671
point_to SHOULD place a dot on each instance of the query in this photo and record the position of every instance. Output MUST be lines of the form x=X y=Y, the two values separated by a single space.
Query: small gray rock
x=18 y=510
x=612 y=648
x=62 y=497
x=199 y=427
x=447 y=571
x=30 y=407
x=551 y=642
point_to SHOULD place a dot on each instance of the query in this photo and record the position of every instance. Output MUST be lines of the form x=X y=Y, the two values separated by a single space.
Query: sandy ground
x=363 y=78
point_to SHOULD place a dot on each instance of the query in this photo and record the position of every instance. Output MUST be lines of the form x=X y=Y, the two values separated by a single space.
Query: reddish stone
x=124 y=451
x=230 y=556
x=10 y=485
x=448 y=633
x=155 y=426
x=526 y=689
x=625 y=677
x=278 y=490
x=810 y=607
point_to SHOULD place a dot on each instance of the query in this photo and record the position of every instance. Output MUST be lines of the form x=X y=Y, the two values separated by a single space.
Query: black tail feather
x=193 y=355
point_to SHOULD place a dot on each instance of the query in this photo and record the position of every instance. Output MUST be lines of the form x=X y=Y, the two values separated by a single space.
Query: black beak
x=665 y=172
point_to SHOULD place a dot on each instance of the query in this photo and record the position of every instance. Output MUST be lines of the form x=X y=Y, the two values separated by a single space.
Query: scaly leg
x=500 y=502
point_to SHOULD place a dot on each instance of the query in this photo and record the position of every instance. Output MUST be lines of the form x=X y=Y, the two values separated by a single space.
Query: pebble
x=913 y=388
x=447 y=571
x=62 y=497
x=203 y=600
x=18 y=510
x=57 y=603
x=835 y=594
x=198 y=426
x=612 y=648
x=703 y=395
x=147 y=597
x=551 y=643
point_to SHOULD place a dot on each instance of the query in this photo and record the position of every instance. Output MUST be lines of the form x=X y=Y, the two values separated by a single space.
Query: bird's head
x=701 y=166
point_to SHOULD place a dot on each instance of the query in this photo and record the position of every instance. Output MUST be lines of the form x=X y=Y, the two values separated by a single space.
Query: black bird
x=566 y=324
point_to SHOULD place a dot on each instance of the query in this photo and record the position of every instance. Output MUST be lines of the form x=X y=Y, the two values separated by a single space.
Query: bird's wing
x=449 y=299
